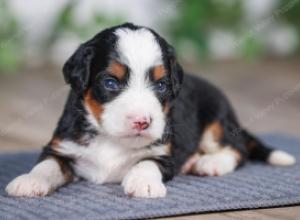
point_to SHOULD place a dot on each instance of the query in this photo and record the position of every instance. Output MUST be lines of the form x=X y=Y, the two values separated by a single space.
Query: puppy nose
x=140 y=123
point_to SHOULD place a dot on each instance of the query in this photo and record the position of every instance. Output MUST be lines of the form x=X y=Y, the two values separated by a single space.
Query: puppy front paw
x=145 y=181
x=138 y=186
x=28 y=185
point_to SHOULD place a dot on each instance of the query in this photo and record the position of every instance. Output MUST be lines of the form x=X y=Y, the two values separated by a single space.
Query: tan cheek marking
x=158 y=72
x=166 y=108
x=118 y=70
x=169 y=149
x=95 y=107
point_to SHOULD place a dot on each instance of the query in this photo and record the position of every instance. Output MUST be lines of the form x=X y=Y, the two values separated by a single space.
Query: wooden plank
x=200 y=217
x=286 y=213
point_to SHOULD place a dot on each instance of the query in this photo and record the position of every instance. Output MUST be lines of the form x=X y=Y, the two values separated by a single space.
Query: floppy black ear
x=176 y=71
x=77 y=69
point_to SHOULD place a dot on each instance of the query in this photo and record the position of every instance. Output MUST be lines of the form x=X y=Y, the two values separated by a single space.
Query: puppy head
x=127 y=76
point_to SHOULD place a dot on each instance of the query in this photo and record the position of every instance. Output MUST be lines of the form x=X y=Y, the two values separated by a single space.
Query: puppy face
x=127 y=76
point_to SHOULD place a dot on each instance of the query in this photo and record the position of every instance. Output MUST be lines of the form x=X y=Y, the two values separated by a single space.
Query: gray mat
x=253 y=186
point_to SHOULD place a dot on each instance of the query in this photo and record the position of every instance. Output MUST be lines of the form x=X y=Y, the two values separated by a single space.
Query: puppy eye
x=111 y=84
x=161 y=87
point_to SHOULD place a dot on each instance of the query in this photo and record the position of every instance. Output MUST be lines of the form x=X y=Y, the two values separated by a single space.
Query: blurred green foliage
x=195 y=18
x=11 y=44
x=192 y=23
x=66 y=22
x=290 y=14
x=251 y=48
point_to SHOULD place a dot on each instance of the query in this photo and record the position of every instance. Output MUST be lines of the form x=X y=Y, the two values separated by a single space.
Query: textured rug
x=253 y=186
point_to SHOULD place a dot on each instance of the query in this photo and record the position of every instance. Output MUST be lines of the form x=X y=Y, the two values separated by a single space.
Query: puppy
x=131 y=118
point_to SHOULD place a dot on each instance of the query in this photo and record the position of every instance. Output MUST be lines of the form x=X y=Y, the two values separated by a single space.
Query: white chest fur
x=105 y=161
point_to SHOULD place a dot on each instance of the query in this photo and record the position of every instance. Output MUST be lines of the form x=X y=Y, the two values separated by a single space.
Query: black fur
x=197 y=105
x=166 y=166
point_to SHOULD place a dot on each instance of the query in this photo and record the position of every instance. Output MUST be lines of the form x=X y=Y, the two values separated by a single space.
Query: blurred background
x=249 y=48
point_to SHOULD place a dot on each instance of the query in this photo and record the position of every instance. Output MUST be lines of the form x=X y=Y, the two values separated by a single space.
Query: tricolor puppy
x=132 y=118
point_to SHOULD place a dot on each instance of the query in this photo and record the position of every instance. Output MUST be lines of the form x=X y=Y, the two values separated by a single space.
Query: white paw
x=144 y=181
x=137 y=186
x=215 y=165
x=28 y=185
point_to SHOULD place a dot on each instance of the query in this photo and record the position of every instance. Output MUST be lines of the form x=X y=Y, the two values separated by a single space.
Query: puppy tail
x=259 y=151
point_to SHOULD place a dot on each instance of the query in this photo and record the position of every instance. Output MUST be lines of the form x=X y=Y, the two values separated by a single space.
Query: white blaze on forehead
x=138 y=49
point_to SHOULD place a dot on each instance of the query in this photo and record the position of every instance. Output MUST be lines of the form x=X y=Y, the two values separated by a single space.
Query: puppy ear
x=176 y=71
x=77 y=69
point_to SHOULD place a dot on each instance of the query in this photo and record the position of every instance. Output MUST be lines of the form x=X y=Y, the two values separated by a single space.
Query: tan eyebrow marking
x=158 y=72
x=117 y=69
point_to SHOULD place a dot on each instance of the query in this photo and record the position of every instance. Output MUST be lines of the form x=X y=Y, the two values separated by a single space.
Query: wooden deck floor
x=265 y=95
x=286 y=213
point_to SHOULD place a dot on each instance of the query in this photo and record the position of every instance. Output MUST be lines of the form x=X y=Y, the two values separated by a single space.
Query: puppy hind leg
x=218 y=163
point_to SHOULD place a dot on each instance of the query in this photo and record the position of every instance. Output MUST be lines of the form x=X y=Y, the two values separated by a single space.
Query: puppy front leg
x=144 y=180
x=44 y=178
